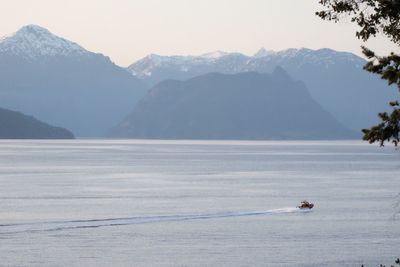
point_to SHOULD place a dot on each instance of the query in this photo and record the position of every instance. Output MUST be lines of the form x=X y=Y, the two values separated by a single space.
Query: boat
x=305 y=205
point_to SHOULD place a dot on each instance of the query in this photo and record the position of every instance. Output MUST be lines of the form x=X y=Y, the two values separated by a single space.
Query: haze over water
x=189 y=203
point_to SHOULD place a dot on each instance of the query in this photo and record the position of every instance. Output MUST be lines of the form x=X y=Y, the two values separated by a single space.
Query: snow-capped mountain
x=151 y=65
x=61 y=83
x=33 y=41
x=214 y=55
x=335 y=79
x=263 y=53
x=151 y=68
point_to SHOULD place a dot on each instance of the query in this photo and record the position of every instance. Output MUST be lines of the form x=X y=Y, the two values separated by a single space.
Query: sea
x=198 y=203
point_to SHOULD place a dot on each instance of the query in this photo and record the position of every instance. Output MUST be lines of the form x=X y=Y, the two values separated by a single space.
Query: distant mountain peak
x=263 y=53
x=215 y=55
x=244 y=106
x=32 y=28
x=32 y=41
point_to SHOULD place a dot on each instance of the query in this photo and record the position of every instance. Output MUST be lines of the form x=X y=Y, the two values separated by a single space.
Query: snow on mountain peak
x=263 y=53
x=214 y=55
x=219 y=61
x=145 y=66
x=31 y=28
x=33 y=41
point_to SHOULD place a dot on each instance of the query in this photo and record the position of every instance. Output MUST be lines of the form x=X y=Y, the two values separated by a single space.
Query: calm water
x=162 y=203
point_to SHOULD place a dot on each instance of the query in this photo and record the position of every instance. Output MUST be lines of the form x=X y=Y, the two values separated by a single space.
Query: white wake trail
x=95 y=223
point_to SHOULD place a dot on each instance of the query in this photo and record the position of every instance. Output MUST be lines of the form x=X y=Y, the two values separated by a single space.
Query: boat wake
x=95 y=223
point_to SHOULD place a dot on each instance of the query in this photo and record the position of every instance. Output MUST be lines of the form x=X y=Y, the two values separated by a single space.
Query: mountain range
x=334 y=79
x=61 y=83
x=15 y=125
x=248 y=106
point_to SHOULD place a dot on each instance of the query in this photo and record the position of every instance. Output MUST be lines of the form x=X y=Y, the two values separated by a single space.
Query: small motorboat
x=305 y=205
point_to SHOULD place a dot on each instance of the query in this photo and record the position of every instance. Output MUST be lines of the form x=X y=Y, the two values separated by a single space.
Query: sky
x=128 y=30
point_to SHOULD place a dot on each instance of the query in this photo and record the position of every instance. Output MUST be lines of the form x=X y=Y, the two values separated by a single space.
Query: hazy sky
x=127 y=30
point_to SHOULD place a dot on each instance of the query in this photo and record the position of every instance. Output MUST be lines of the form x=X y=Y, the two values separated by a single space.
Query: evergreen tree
x=373 y=17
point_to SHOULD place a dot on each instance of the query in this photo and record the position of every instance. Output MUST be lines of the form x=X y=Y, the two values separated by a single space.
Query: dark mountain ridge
x=334 y=79
x=15 y=125
x=250 y=106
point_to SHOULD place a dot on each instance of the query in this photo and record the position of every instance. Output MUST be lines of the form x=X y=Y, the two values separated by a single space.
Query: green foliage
x=373 y=17
x=397 y=262
x=387 y=130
